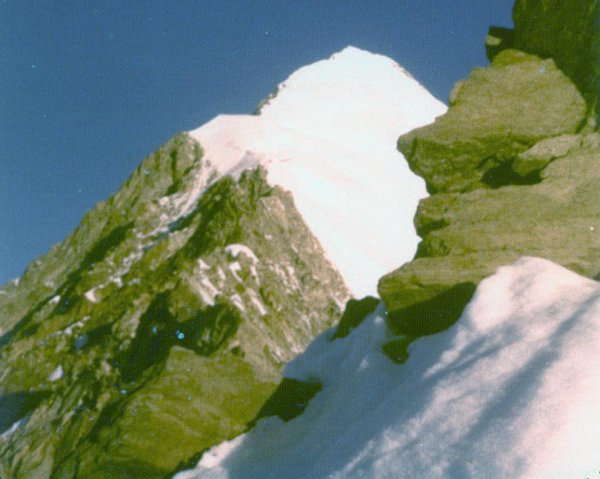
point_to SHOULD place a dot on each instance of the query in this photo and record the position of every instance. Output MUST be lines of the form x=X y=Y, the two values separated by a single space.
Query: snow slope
x=329 y=136
x=510 y=391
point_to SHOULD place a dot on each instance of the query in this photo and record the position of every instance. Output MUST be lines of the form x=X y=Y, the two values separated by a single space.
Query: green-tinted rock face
x=567 y=31
x=534 y=160
x=148 y=336
x=495 y=114
x=514 y=171
x=467 y=236
x=513 y=167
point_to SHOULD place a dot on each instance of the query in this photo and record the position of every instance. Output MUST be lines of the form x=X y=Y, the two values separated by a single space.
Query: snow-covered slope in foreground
x=510 y=391
x=329 y=136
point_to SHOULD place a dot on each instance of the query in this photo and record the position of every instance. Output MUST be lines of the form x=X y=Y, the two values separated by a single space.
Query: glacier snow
x=511 y=390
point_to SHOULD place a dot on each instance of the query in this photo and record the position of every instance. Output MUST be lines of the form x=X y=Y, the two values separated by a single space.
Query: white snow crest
x=329 y=137
x=510 y=391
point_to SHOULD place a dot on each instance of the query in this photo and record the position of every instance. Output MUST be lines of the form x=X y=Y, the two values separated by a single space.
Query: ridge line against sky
x=88 y=90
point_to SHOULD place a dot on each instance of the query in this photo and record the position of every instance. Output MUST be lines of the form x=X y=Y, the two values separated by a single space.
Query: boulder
x=568 y=32
x=467 y=236
x=495 y=114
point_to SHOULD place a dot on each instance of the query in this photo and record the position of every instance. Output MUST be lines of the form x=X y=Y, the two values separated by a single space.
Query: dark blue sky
x=88 y=88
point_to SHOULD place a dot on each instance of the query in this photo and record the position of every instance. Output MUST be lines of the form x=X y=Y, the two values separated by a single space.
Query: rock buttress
x=514 y=171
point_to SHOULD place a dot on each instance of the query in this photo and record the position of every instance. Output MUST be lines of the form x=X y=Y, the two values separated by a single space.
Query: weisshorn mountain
x=481 y=360
x=160 y=326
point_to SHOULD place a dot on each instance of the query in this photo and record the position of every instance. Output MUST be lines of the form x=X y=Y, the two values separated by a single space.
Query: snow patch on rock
x=236 y=249
x=14 y=427
x=207 y=291
x=235 y=268
x=90 y=295
x=57 y=374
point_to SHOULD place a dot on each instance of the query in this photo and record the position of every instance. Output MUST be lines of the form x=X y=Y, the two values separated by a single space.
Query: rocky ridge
x=140 y=329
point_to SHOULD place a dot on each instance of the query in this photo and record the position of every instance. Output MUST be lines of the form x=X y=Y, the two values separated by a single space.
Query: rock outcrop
x=146 y=337
x=568 y=32
x=494 y=115
x=513 y=169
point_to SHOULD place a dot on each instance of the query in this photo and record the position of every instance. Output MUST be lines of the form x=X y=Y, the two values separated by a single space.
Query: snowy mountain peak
x=363 y=81
x=328 y=135
x=352 y=50
x=371 y=62
x=355 y=61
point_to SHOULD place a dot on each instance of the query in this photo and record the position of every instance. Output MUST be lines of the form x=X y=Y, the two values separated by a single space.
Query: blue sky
x=89 y=88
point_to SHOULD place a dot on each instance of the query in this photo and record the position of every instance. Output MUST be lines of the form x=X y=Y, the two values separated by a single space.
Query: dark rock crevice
x=503 y=174
x=159 y=330
x=433 y=315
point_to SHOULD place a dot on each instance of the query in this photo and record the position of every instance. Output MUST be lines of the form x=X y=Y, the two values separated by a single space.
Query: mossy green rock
x=495 y=114
x=568 y=32
x=147 y=432
x=467 y=236
x=159 y=327
x=514 y=170
x=543 y=153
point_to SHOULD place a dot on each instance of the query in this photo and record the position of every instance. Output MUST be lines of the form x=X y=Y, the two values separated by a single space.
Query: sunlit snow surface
x=329 y=136
x=511 y=391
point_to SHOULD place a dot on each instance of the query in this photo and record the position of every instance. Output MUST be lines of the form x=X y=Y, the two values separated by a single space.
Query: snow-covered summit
x=329 y=136
x=510 y=391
